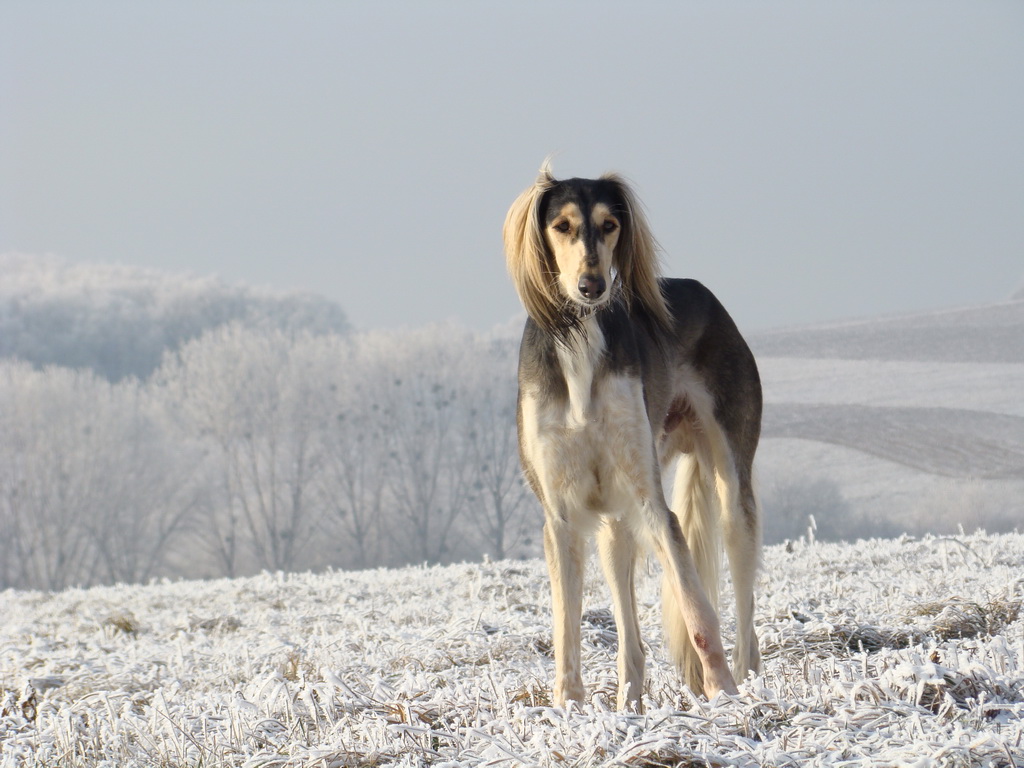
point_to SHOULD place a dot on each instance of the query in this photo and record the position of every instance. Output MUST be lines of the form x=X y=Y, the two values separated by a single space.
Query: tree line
x=119 y=321
x=255 y=449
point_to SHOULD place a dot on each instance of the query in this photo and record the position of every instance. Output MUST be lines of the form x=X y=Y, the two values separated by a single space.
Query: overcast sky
x=808 y=161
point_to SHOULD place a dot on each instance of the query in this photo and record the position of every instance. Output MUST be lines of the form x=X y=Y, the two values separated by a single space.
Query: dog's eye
x=609 y=226
x=561 y=226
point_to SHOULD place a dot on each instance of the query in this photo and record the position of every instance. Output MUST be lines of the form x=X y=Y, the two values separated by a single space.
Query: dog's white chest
x=589 y=449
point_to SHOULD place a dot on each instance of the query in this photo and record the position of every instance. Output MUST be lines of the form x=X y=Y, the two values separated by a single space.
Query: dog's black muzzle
x=592 y=287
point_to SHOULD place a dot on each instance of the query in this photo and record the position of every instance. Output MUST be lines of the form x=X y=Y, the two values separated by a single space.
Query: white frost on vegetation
x=896 y=652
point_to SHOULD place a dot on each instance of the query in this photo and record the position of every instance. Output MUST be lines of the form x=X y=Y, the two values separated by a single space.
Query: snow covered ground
x=900 y=652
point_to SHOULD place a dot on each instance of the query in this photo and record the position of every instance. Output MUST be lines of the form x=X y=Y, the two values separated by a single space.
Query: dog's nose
x=591 y=287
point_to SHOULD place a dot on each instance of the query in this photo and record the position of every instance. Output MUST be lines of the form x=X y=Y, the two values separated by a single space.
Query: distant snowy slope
x=991 y=334
x=895 y=424
x=994 y=387
x=941 y=441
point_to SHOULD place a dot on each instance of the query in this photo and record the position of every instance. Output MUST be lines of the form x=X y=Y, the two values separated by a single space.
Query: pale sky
x=808 y=161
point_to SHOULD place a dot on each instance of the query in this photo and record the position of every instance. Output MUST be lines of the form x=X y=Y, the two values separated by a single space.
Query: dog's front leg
x=563 y=546
x=618 y=549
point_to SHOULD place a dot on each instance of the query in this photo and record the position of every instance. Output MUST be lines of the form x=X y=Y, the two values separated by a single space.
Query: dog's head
x=574 y=246
x=582 y=223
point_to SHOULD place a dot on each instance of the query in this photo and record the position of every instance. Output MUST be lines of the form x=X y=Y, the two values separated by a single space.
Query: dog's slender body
x=620 y=374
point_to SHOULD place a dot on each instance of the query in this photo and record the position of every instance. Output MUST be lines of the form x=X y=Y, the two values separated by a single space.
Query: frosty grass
x=905 y=652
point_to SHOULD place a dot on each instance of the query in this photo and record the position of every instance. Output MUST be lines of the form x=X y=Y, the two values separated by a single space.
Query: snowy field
x=917 y=421
x=905 y=652
x=903 y=441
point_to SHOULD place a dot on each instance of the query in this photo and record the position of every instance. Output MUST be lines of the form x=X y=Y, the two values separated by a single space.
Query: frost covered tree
x=353 y=486
x=790 y=503
x=421 y=463
x=260 y=398
x=256 y=448
x=90 y=488
x=422 y=391
x=119 y=320
x=500 y=506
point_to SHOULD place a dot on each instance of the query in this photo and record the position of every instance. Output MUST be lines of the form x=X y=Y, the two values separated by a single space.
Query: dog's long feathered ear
x=637 y=257
x=526 y=252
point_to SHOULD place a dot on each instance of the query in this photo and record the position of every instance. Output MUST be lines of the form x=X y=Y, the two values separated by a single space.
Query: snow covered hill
x=988 y=333
x=916 y=423
x=889 y=653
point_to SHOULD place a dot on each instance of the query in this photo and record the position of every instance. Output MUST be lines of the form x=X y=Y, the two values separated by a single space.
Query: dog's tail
x=695 y=503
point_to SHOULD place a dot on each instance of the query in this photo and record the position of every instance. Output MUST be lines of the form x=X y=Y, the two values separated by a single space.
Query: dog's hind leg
x=742 y=524
x=618 y=549
x=692 y=500
x=564 y=549
x=698 y=616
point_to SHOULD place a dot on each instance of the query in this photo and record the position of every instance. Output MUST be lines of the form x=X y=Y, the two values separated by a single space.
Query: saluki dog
x=621 y=373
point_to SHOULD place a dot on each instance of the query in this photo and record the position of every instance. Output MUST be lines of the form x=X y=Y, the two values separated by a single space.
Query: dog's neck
x=579 y=355
x=576 y=318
